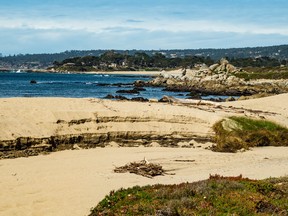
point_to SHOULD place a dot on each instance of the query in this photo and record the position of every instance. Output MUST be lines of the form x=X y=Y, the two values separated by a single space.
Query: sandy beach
x=70 y=182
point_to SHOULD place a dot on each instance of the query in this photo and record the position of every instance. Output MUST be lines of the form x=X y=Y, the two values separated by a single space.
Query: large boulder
x=213 y=67
x=224 y=66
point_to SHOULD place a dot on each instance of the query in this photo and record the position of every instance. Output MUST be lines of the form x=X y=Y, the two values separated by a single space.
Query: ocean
x=13 y=84
x=18 y=84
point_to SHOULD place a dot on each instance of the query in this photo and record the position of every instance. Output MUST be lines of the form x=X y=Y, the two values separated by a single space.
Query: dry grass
x=251 y=73
x=238 y=133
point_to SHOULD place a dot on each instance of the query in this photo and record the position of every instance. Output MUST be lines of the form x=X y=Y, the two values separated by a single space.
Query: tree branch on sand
x=143 y=168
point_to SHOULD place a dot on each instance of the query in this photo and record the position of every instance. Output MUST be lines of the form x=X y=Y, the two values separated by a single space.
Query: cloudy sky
x=34 y=26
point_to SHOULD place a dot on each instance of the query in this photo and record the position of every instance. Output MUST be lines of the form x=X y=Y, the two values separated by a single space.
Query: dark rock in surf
x=129 y=91
x=33 y=82
x=119 y=97
x=109 y=96
x=139 y=89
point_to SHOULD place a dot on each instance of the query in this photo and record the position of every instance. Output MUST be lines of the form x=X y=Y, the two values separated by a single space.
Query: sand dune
x=44 y=117
x=71 y=182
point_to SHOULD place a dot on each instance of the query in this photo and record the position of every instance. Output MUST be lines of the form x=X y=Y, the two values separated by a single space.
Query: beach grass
x=237 y=133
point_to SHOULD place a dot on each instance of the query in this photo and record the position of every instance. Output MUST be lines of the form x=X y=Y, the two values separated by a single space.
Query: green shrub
x=216 y=196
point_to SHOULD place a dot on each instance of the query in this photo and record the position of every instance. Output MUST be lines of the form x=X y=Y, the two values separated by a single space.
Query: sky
x=34 y=26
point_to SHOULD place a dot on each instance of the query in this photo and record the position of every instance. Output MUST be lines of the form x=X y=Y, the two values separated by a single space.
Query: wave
x=66 y=83
x=91 y=83
x=14 y=72
x=101 y=75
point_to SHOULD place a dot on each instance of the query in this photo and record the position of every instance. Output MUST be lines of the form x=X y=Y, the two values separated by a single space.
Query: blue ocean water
x=13 y=84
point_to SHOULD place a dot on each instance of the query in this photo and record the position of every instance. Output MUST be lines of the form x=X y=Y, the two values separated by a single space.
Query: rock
x=129 y=91
x=165 y=99
x=213 y=67
x=230 y=68
x=230 y=99
x=140 y=99
x=119 y=97
x=103 y=84
x=195 y=97
x=203 y=79
x=218 y=79
x=76 y=147
x=165 y=75
x=139 y=89
x=224 y=61
x=204 y=67
x=109 y=96
x=170 y=82
x=234 y=81
x=139 y=83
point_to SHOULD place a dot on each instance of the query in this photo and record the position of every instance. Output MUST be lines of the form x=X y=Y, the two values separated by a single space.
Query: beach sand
x=71 y=182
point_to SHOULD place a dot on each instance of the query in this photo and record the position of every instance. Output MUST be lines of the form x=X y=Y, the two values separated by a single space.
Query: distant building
x=173 y=55
x=113 y=65
x=69 y=64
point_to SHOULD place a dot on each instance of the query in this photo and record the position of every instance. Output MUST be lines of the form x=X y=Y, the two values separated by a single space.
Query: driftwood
x=185 y=161
x=171 y=99
x=143 y=168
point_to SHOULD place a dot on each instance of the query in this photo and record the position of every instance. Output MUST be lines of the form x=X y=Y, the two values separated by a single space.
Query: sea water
x=73 y=85
x=13 y=84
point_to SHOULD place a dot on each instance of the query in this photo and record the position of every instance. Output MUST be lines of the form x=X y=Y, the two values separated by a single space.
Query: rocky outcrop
x=217 y=79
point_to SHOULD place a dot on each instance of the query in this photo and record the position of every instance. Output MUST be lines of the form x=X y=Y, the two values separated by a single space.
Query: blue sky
x=33 y=26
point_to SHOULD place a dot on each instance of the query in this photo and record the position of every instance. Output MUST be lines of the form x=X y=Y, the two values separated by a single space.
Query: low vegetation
x=216 y=196
x=252 y=73
x=237 y=133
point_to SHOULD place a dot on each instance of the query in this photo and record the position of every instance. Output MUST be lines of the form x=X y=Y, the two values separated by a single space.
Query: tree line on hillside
x=257 y=62
x=115 y=61
x=279 y=53
x=112 y=60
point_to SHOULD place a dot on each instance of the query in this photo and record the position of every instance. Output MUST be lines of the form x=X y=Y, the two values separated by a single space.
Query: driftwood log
x=143 y=168
x=171 y=99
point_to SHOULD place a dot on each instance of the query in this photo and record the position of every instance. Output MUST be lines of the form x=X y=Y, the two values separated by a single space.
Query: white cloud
x=103 y=25
x=122 y=26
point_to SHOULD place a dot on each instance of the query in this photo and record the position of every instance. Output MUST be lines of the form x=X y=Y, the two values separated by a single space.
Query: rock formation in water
x=216 y=79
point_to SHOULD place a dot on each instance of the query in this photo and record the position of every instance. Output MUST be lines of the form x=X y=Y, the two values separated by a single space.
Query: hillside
x=35 y=61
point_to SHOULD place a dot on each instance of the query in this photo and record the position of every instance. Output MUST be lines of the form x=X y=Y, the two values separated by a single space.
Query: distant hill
x=45 y=60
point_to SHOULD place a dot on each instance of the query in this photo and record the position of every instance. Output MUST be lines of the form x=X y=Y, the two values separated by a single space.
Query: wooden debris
x=143 y=168
x=171 y=99
x=184 y=160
